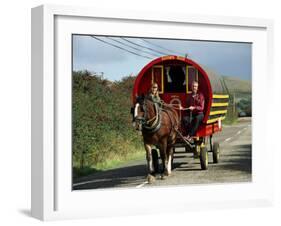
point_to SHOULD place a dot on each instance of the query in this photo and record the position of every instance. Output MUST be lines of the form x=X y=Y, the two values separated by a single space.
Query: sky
x=116 y=57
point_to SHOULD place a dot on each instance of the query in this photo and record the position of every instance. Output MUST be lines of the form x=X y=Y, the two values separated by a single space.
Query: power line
x=120 y=47
x=161 y=47
x=145 y=47
x=122 y=43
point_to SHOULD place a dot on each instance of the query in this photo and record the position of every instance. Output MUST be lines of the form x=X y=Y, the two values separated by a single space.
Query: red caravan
x=174 y=76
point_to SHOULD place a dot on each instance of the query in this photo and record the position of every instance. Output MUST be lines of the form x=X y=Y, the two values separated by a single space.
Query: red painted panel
x=145 y=83
x=207 y=130
x=175 y=99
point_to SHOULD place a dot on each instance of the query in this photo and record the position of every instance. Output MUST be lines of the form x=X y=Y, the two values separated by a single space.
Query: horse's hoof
x=150 y=178
x=166 y=173
x=163 y=176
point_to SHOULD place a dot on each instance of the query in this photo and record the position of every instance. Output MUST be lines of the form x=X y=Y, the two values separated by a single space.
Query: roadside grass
x=115 y=161
x=119 y=160
x=230 y=120
x=87 y=170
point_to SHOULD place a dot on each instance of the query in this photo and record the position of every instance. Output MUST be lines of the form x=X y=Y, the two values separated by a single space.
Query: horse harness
x=156 y=120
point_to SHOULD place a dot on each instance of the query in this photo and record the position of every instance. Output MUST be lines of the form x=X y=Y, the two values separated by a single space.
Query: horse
x=158 y=126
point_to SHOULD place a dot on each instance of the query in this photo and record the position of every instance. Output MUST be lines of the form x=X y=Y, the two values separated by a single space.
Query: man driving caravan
x=195 y=104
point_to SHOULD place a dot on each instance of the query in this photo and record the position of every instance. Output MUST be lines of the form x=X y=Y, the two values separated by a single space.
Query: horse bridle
x=146 y=122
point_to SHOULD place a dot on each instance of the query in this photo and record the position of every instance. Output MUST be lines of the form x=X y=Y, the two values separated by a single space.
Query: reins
x=173 y=106
x=157 y=120
x=174 y=126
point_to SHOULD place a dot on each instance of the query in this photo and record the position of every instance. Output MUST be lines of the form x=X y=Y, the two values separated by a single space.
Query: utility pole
x=234 y=105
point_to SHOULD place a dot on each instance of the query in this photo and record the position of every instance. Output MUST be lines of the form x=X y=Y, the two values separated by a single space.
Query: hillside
x=240 y=103
x=224 y=84
x=236 y=85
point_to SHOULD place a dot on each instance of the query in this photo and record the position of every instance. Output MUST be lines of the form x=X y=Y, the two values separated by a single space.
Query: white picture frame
x=52 y=197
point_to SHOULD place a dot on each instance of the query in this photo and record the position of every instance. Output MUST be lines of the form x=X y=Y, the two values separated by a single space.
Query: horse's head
x=142 y=112
x=138 y=113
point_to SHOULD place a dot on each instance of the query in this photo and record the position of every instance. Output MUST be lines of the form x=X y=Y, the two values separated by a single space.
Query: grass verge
x=230 y=121
x=115 y=161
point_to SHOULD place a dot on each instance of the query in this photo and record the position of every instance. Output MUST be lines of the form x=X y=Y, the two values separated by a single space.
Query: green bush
x=102 y=128
x=245 y=106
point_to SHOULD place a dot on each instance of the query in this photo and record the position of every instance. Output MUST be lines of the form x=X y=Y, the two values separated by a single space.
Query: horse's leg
x=163 y=153
x=163 y=157
x=170 y=156
x=151 y=172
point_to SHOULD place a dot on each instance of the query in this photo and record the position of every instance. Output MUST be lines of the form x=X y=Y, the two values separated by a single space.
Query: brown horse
x=158 y=126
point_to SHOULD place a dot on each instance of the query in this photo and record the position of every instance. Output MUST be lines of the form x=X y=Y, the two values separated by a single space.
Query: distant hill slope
x=224 y=84
x=215 y=79
x=235 y=85
x=240 y=93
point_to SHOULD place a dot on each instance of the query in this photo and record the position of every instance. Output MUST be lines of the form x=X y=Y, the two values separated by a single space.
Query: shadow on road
x=241 y=160
x=112 y=178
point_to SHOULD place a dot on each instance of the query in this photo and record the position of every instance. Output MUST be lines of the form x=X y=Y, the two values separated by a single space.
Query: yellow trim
x=195 y=78
x=186 y=78
x=180 y=58
x=219 y=104
x=168 y=57
x=215 y=119
x=218 y=112
x=162 y=77
x=217 y=96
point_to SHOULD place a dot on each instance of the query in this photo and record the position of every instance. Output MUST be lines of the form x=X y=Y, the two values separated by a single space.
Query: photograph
x=150 y=112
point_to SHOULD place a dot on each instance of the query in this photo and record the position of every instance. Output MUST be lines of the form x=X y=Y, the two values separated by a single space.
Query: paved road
x=235 y=165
